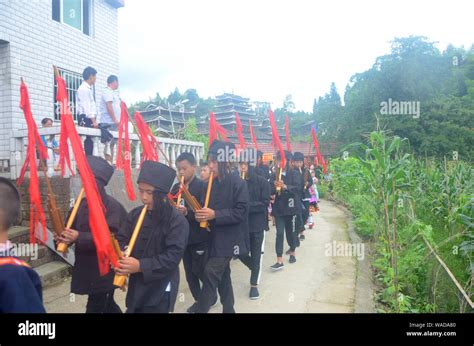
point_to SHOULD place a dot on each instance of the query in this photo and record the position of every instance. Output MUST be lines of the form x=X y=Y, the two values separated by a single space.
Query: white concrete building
x=37 y=34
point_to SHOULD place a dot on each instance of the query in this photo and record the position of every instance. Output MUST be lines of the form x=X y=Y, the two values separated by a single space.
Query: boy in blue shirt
x=20 y=285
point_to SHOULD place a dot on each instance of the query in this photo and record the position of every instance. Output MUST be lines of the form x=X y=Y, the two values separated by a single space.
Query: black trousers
x=162 y=308
x=194 y=261
x=102 y=303
x=305 y=212
x=285 y=225
x=216 y=276
x=83 y=120
x=253 y=261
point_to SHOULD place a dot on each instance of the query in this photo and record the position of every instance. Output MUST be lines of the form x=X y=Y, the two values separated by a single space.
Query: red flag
x=99 y=228
x=215 y=129
x=221 y=131
x=276 y=139
x=149 y=142
x=287 y=133
x=36 y=209
x=238 y=129
x=252 y=135
x=212 y=129
x=124 y=156
x=64 y=156
x=318 y=153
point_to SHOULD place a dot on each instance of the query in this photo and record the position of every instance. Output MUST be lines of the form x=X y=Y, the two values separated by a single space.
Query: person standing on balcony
x=48 y=122
x=109 y=113
x=86 y=109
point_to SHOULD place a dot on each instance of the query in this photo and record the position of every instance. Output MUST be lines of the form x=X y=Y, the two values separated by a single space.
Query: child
x=159 y=247
x=20 y=286
x=205 y=172
x=195 y=255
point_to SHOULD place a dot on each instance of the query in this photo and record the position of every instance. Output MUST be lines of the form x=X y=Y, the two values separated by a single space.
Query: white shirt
x=113 y=96
x=85 y=102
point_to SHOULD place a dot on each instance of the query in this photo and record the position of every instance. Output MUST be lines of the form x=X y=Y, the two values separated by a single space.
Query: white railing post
x=137 y=154
x=16 y=162
x=95 y=148
x=50 y=161
x=173 y=155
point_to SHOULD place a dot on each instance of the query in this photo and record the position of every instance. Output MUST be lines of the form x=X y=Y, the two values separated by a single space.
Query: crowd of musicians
x=205 y=218
x=243 y=199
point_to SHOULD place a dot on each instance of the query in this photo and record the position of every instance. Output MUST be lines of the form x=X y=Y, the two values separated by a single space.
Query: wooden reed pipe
x=178 y=202
x=278 y=189
x=62 y=247
x=119 y=280
x=204 y=224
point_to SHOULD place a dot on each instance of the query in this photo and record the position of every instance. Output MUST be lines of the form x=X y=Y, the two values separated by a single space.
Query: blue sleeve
x=20 y=290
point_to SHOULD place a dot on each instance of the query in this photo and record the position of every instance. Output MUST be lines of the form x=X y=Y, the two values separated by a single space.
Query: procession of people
x=203 y=214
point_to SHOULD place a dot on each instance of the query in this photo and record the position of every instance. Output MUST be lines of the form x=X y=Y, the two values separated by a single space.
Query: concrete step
x=44 y=255
x=19 y=234
x=52 y=273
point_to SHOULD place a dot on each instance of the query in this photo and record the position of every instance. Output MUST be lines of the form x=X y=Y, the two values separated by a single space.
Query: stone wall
x=61 y=189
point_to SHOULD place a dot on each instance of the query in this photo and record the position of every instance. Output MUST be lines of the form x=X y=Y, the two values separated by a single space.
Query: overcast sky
x=266 y=49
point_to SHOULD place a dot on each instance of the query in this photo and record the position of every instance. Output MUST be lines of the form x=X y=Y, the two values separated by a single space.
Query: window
x=75 y=13
x=73 y=81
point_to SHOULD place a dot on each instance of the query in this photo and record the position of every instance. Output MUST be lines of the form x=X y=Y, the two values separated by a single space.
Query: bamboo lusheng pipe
x=116 y=246
x=280 y=170
x=119 y=280
x=178 y=202
x=192 y=201
x=56 y=217
x=204 y=224
x=62 y=247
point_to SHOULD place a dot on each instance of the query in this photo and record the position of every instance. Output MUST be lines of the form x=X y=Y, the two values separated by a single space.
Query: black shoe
x=277 y=266
x=192 y=309
x=254 y=293
x=288 y=252
x=302 y=237
x=292 y=259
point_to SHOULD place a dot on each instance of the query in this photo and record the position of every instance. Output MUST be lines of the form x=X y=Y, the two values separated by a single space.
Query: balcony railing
x=171 y=147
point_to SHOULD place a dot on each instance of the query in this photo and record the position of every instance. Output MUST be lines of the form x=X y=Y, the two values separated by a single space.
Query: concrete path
x=317 y=282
